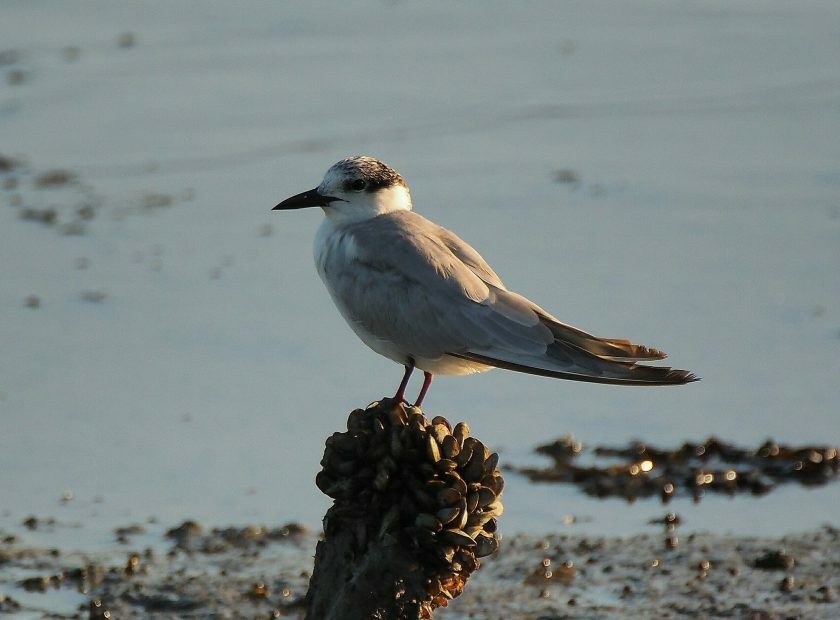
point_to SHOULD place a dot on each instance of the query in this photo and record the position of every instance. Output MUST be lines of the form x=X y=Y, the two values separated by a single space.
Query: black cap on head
x=365 y=173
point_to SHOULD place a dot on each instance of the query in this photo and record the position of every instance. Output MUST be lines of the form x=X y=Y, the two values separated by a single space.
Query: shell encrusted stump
x=415 y=506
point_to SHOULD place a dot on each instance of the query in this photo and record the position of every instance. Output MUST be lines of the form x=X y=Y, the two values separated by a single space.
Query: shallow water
x=704 y=220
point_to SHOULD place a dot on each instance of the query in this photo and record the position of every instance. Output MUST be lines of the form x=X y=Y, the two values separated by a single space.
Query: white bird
x=418 y=294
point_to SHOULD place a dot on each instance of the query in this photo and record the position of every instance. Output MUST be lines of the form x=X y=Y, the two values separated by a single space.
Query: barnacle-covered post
x=416 y=503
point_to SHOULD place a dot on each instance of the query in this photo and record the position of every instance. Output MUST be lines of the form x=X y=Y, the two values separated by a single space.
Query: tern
x=421 y=296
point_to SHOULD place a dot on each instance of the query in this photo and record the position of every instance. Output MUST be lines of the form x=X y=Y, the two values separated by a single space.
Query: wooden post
x=415 y=506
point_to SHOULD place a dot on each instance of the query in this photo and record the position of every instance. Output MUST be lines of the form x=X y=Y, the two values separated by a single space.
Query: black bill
x=307 y=199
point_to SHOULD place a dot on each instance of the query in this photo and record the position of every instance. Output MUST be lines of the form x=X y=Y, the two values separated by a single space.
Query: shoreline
x=258 y=572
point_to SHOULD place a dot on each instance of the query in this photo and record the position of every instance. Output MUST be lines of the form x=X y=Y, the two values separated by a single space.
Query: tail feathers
x=626 y=350
x=609 y=348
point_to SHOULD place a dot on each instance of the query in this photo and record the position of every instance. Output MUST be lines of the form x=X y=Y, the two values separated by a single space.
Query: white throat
x=364 y=206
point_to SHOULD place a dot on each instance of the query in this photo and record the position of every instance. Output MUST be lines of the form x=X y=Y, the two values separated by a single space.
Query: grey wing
x=435 y=295
x=468 y=255
x=403 y=284
x=611 y=348
x=569 y=353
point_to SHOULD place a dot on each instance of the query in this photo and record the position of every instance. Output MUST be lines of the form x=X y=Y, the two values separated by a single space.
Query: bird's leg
x=427 y=381
x=400 y=395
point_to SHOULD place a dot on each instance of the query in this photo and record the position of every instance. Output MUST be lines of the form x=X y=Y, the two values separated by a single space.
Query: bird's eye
x=358 y=185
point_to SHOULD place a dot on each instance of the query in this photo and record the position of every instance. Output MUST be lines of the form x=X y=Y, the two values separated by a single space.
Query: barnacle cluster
x=428 y=485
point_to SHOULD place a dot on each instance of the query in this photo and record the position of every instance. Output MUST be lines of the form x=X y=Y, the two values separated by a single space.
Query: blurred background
x=667 y=172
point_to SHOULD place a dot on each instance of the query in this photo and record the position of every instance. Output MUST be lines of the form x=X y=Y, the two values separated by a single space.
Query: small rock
x=774 y=560
x=71 y=54
x=185 y=532
x=827 y=594
x=126 y=40
x=86 y=212
x=45 y=216
x=40 y=584
x=132 y=565
x=7 y=164
x=98 y=611
x=16 y=77
x=8 y=604
x=151 y=200
x=566 y=572
x=76 y=228
x=55 y=178
x=129 y=530
x=258 y=591
x=787 y=584
x=567 y=176
x=95 y=297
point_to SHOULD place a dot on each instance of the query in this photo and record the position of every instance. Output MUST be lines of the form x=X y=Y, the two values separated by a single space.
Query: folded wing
x=420 y=286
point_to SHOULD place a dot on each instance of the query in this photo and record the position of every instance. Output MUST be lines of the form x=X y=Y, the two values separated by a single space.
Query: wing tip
x=644 y=375
x=680 y=377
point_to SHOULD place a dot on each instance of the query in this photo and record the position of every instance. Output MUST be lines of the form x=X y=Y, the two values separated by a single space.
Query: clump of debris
x=642 y=470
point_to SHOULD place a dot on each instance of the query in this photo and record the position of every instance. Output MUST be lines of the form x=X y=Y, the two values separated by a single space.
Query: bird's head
x=355 y=189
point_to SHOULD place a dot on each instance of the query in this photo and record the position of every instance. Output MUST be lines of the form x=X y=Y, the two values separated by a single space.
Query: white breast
x=335 y=250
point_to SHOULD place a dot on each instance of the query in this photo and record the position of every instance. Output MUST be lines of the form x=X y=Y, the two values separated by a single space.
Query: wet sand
x=256 y=572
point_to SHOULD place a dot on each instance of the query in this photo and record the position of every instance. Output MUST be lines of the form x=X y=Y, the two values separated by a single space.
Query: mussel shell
x=450 y=447
x=445 y=465
x=472 y=501
x=439 y=419
x=357 y=421
x=448 y=514
x=485 y=545
x=496 y=509
x=464 y=456
x=449 y=497
x=380 y=481
x=440 y=432
x=486 y=497
x=432 y=449
x=461 y=432
x=456 y=482
x=474 y=469
x=457 y=537
x=463 y=515
x=323 y=481
x=428 y=522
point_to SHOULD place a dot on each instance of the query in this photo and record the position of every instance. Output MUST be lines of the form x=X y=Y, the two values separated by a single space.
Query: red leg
x=427 y=381
x=400 y=395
